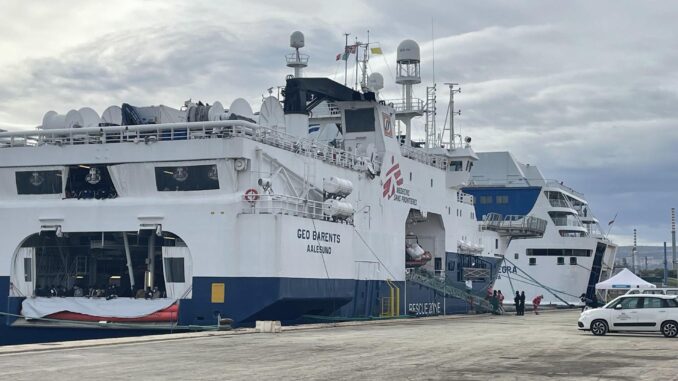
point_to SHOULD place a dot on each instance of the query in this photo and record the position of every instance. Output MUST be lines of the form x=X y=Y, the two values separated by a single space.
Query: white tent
x=625 y=279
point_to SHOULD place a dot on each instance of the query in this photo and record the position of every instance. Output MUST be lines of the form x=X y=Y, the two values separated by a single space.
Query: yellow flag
x=376 y=51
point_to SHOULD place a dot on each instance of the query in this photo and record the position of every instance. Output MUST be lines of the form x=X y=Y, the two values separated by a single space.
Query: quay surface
x=447 y=348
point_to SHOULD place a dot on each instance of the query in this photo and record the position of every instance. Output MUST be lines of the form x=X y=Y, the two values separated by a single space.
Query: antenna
x=452 y=113
x=346 y=60
x=408 y=59
x=633 y=252
x=673 y=236
x=296 y=60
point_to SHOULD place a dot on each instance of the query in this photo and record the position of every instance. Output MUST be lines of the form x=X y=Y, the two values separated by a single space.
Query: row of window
x=559 y=261
x=500 y=199
x=559 y=252
x=89 y=181
x=646 y=302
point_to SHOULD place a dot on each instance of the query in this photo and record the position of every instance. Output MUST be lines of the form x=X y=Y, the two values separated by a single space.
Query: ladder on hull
x=427 y=279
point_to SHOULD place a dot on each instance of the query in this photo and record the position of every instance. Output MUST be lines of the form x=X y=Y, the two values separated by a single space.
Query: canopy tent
x=625 y=279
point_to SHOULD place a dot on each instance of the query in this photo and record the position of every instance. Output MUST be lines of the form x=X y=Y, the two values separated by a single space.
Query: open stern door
x=178 y=272
x=23 y=273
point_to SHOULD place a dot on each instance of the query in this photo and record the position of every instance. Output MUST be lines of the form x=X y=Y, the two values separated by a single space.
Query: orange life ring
x=251 y=195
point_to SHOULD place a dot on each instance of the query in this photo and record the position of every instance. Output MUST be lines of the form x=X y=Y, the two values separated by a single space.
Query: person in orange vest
x=536 y=302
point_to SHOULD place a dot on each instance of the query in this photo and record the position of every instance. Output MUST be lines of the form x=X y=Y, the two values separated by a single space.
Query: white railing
x=293 y=58
x=152 y=133
x=559 y=184
x=401 y=106
x=286 y=205
x=422 y=156
x=558 y=203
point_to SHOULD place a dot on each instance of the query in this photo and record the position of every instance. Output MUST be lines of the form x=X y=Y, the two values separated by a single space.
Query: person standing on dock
x=536 y=302
x=516 y=302
x=522 y=303
x=494 y=301
x=500 y=298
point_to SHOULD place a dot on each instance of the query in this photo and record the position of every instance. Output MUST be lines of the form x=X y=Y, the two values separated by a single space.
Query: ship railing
x=296 y=58
x=514 y=225
x=422 y=156
x=286 y=205
x=401 y=106
x=151 y=133
x=560 y=185
x=567 y=221
x=558 y=203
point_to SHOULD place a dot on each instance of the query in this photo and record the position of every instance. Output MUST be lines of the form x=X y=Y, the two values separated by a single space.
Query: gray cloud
x=586 y=91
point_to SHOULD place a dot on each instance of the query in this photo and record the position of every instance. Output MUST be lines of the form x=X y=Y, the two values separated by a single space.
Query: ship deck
x=454 y=347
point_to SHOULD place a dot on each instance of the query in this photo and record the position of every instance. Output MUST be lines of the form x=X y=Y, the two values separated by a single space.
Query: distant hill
x=654 y=254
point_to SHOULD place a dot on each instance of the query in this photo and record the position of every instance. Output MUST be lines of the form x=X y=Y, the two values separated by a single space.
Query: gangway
x=424 y=278
x=514 y=226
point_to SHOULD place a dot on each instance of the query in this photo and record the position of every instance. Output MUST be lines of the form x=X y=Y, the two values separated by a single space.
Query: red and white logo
x=393 y=178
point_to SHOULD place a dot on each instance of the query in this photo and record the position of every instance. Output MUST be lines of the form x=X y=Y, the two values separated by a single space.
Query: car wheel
x=670 y=329
x=599 y=327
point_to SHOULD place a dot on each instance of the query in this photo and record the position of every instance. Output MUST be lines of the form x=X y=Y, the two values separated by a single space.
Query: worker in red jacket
x=536 y=302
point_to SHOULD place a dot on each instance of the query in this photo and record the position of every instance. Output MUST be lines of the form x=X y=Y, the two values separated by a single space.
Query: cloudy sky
x=586 y=90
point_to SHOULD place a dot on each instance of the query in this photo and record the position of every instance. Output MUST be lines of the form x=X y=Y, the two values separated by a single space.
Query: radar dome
x=297 y=40
x=375 y=82
x=408 y=50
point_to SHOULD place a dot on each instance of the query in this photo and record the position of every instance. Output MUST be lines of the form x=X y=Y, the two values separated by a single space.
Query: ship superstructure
x=572 y=255
x=157 y=218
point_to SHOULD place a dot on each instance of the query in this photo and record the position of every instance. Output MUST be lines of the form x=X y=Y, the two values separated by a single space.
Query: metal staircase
x=427 y=279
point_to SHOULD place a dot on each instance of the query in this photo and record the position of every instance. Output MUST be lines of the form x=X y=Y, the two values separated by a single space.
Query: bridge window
x=559 y=252
x=187 y=178
x=39 y=182
x=502 y=199
x=361 y=120
x=485 y=199
x=456 y=166
x=561 y=260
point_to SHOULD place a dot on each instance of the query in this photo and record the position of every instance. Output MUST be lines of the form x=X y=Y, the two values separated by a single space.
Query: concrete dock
x=445 y=348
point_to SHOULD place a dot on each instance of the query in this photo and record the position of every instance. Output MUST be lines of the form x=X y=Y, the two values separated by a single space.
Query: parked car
x=663 y=291
x=635 y=312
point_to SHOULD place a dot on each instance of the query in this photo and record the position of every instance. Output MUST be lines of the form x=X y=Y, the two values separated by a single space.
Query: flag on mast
x=612 y=221
x=376 y=50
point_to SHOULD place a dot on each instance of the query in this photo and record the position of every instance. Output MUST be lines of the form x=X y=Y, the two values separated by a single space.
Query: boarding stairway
x=514 y=226
x=426 y=279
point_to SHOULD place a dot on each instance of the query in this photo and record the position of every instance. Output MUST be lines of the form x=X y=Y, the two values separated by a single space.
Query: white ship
x=156 y=218
x=573 y=254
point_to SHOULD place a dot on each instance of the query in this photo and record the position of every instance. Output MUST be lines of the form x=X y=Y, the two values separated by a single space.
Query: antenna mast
x=453 y=90
x=346 y=60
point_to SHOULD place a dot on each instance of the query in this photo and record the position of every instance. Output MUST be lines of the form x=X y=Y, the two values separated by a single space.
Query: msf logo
x=393 y=178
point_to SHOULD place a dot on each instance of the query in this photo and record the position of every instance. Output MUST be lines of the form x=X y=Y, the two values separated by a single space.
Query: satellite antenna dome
x=112 y=116
x=297 y=40
x=408 y=50
x=375 y=82
x=74 y=119
x=90 y=117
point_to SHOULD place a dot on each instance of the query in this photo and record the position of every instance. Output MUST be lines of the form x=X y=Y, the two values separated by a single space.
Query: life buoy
x=251 y=195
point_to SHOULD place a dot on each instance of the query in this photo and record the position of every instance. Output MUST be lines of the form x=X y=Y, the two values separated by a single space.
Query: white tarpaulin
x=114 y=308
x=623 y=280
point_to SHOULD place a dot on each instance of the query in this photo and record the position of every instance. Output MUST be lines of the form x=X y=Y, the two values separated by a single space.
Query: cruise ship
x=572 y=255
x=156 y=219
